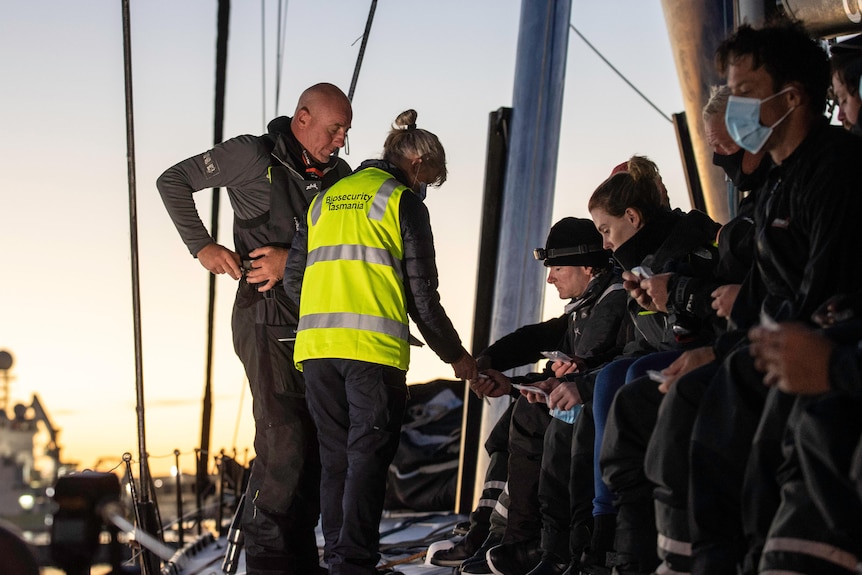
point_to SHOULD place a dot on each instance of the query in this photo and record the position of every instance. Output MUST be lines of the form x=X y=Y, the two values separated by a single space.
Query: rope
x=618 y=73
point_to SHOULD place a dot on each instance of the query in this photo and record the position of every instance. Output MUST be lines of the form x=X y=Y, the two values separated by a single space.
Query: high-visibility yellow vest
x=353 y=304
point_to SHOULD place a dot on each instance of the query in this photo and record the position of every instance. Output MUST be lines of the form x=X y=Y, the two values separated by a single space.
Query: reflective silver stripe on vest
x=376 y=324
x=318 y=207
x=378 y=206
x=353 y=252
x=817 y=549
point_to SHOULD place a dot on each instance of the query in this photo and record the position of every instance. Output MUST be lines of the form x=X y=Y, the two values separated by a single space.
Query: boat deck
x=405 y=538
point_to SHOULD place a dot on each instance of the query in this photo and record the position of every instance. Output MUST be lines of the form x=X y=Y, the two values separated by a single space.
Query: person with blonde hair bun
x=361 y=263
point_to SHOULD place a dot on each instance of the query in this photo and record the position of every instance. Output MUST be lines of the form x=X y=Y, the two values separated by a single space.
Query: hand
x=217 y=259
x=547 y=386
x=688 y=361
x=632 y=284
x=637 y=290
x=793 y=357
x=495 y=385
x=561 y=368
x=656 y=289
x=465 y=366
x=564 y=396
x=723 y=298
x=267 y=266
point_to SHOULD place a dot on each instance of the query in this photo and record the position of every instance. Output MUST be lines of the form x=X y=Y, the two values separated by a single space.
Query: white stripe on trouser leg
x=817 y=549
x=674 y=546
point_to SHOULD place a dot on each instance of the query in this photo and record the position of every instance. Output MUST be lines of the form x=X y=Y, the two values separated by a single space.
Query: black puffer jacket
x=682 y=243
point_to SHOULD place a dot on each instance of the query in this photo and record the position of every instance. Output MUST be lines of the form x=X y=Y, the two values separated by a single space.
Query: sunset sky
x=66 y=292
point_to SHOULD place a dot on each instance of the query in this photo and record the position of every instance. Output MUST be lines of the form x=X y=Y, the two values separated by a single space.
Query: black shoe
x=455 y=555
x=461 y=551
x=630 y=569
x=475 y=566
x=477 y=563
x=596 y=562
x=548 y=567
x=514 y=558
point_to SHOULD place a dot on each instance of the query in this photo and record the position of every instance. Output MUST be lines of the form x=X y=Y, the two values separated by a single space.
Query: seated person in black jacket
x=587 y=332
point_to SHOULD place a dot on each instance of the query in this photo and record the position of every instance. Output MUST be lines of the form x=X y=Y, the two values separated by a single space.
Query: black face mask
x=732 y=166
x=857 y=127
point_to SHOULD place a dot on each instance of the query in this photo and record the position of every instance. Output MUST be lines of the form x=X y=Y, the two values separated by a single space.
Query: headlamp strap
x=545 y=254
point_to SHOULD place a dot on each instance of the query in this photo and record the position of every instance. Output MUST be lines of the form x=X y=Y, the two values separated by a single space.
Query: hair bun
x=406 y=120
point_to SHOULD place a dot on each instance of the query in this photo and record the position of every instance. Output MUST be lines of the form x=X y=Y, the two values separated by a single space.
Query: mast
x=528 y=191
x=144 y=507
x=695 y=29
x=218 y=135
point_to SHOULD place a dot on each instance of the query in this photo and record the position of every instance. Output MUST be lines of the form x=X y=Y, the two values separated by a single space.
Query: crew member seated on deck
x=589 y=333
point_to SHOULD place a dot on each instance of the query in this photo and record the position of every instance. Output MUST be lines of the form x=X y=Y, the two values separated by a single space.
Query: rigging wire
x=618 y=73
x=361 y=54
x=263 y=62
x=280 y=41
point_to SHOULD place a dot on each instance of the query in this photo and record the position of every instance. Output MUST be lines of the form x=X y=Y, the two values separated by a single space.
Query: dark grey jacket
x=266 y=185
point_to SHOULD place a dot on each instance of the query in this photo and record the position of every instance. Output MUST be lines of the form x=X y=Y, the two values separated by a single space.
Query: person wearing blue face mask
x=804 y=225
x=742 y=118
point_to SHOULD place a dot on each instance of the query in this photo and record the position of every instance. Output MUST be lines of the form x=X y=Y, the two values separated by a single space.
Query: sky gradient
x=66 y=295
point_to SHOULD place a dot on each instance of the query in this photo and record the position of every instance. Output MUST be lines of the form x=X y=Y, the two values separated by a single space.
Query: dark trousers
x=526 y=441
x=358 y=408
x=817 y=524
x=720 y=445
x=488 y=516
x=667 y=465
x=629 y=428
x=765 y=472
x=282 y=495
x=566 y=487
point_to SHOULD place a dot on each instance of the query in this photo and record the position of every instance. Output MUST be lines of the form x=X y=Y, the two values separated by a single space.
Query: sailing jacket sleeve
x=420 y=280
x=525 y=345
x=239 y=164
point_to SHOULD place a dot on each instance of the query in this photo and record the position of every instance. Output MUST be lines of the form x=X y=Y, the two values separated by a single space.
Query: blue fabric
x=610 y=379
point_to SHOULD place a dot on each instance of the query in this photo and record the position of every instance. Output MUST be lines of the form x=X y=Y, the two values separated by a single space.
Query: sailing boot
x=461 y=551
x=599 y=557
x=514 y=558
x=635 y=538
x=549 y=567
x=477 y=564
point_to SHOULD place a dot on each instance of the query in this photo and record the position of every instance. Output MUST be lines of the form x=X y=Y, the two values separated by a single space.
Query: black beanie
x=574 y=242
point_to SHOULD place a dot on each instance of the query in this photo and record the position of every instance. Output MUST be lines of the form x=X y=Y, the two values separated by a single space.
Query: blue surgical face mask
x=567 y=415
x=742 y=119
